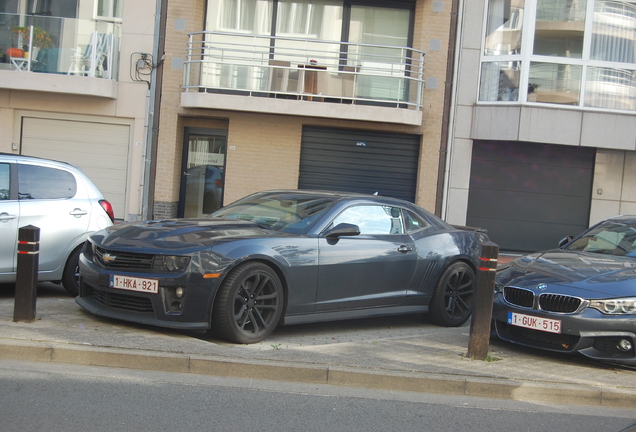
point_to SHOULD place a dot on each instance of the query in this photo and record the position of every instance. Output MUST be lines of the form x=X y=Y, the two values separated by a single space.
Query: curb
x=420 y=382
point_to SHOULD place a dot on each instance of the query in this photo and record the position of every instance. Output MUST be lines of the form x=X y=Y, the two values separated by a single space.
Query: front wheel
x=249 y=304
x=454 y=296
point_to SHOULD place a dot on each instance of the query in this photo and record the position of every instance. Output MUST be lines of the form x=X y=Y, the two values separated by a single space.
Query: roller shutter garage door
x=99 y=149
x=528 y=195
x=359 y=161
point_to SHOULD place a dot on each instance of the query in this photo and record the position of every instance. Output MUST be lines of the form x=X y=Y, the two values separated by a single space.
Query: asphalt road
x=57 y=397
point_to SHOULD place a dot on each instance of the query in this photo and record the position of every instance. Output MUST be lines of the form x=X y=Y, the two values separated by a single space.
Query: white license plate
x=134 y=284
x=536 y=323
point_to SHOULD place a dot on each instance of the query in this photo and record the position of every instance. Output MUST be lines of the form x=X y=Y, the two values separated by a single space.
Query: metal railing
x=31 y=43
x=309 y=69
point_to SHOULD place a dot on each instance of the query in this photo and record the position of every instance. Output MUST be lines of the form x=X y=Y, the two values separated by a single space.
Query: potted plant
x=42 y=39
x=532 y=97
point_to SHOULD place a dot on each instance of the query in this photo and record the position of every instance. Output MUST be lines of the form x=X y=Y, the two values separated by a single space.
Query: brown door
x=203 y=172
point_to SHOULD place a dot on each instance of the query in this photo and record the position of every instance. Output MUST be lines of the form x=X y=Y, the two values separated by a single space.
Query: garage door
x=527 y=195
x=99 y=149
x=359 y=161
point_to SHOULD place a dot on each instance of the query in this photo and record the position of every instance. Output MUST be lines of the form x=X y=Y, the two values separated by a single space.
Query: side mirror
x=565 y=240
x=343 y=229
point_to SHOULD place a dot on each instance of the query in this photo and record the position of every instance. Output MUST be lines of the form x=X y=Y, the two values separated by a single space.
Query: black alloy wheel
x=454 y=296
x=249 y=304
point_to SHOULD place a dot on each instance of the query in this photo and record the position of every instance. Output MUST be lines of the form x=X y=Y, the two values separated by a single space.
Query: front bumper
x=589 y=332
x=191 y=312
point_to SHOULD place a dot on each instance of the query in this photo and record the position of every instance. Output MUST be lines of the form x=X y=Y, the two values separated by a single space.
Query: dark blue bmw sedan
x=282 y=257
x=578 y=298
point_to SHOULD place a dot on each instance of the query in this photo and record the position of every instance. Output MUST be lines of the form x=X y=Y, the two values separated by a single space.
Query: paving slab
x=396 y=353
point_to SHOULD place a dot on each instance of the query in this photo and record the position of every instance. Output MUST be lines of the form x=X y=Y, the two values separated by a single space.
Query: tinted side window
x=413 y=222
x=5 y=177
x=36 y=182
x=372 y=219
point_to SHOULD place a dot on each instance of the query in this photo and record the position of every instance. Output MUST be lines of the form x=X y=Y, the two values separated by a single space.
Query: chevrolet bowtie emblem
x=108 y=258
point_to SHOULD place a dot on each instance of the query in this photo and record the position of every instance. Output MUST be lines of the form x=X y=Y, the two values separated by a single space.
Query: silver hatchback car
x=58 y=198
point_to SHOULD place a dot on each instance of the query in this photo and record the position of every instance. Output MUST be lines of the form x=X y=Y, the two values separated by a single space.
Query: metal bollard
x=478 y=343
x=26 y=281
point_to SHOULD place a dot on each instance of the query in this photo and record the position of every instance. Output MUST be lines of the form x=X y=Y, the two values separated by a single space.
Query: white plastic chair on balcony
x=92 y=61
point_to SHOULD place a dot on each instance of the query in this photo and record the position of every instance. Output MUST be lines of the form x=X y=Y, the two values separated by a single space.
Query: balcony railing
x=30 y=43
x=306 y=69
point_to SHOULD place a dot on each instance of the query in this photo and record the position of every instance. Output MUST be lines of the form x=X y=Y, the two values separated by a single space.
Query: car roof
x=336 y=195
x=35 y=159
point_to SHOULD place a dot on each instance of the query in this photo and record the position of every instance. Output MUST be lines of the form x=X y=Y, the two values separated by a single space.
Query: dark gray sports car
x=282 y=257
x=578 y=298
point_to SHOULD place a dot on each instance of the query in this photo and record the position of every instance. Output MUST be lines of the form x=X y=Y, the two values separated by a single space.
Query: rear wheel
x=70 y=278
x=249 y=304
x=453 y=299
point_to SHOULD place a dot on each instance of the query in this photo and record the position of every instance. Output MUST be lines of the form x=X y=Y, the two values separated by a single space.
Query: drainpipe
x=450 y=101
x=152 y=133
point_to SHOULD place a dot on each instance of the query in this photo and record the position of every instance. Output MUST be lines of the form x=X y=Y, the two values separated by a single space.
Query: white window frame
x=111 y=5
x=526 y=57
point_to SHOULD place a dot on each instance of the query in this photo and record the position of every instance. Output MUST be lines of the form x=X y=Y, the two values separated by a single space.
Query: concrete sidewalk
x=395 y=353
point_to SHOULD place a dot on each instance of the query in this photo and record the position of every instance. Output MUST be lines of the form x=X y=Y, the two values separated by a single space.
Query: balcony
x=48 y=54
x=306 y=77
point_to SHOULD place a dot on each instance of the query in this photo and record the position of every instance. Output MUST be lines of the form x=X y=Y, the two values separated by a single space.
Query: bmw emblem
x=542 y=287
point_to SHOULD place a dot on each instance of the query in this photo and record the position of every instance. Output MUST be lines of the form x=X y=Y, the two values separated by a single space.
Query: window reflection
x=556 y=83
x=4 y=181
x=559 y=28
x=604 y=57
x=610 y=88
x=503 y=33
x=614 y=31
x=500 y=81
x=372 y=219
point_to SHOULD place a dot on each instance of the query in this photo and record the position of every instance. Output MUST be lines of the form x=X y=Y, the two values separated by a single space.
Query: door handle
x=77 y=212
x=405 y=249
x=6 y=217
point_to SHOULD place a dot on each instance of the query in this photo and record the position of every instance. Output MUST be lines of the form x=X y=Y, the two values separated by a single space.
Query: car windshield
x=610 y=237
x=289 y=212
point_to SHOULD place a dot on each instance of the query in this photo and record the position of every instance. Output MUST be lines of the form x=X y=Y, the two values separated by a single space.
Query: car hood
x=583 y=274
x=182 y=234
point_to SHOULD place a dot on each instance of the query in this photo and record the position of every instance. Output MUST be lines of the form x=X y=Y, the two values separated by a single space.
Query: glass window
x=373 y=219
x=504 y=27
x=109 y=9
x=5 y=178
x=611 y=237
x=556 y=83
x=610 y=88
x=316 y=19
x=379 y=26
x=559 y=28
x=36 y=182
x=281 y=212
x=614 y=34
x=243 y=16
x=413 y=222
x=500 y=81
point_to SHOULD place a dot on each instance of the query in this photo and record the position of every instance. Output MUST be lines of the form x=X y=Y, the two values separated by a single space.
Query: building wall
x=264 y=149
x=128 y=105
x=612 y=133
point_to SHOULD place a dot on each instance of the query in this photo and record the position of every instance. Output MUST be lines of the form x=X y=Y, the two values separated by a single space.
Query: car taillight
x=108 y=208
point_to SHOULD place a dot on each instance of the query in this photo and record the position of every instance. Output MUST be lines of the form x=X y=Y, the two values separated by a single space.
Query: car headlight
x=175 y=263
x=615 y=306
